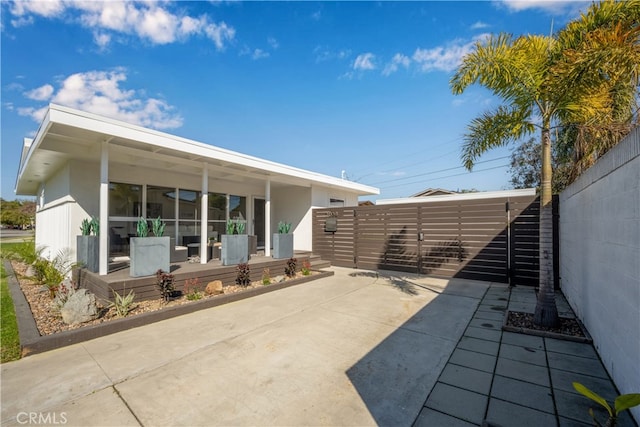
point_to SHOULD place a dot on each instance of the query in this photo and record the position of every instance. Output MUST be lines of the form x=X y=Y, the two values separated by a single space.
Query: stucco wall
x=600 y=258
x=292 y=204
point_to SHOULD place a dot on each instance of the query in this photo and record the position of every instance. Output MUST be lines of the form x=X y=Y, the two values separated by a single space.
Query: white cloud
x=323 y=54
x=47 y=9
x=444 y=58
x=479 y=25
x=101 y=92
x=273 y=43
x=259 y=54
x=43 y=93
x=220 y=34
x=571 y=7
x=364 y=61
x=397 y=61
x=150 y=21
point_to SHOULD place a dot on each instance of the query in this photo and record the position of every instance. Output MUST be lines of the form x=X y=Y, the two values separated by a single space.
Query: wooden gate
x=484 y=239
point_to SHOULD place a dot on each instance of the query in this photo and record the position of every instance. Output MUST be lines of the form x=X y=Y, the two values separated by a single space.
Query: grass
x=9 y=339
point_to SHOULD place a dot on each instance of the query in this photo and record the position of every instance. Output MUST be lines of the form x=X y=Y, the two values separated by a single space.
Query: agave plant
x=142 y=228
x=284 y=227
x=95 y=226
x=85 y=227
x=157 y=225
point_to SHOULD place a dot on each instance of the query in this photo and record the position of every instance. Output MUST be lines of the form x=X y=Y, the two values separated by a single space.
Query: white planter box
x=148 y=255
x=283 y=246
x=88 y=252
x=235 y=249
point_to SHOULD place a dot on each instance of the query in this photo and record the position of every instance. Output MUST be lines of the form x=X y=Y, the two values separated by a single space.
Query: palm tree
x=543 y=81
x=518 y=71
x=602 y=55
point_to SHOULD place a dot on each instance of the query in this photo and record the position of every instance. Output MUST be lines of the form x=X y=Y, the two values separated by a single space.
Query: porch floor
x=120 y=281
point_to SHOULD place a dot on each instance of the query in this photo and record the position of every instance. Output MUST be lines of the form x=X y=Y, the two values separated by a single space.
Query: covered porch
x=82 y=165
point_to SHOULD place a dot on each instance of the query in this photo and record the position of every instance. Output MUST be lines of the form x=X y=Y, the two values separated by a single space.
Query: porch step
x=318 y=263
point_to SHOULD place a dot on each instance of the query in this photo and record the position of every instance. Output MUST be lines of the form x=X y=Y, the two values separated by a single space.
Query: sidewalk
x=496 y=378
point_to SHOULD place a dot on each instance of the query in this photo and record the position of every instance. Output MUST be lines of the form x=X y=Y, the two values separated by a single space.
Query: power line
x=449 y=176
x=438 y=171
x=410 y=155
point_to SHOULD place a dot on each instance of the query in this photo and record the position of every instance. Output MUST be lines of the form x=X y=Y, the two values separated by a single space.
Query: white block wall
x=600 y=258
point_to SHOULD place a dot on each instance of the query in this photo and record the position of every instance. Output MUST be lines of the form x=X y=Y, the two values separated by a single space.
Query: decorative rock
x=214 y=288
x=31 y=271
x=79 y=308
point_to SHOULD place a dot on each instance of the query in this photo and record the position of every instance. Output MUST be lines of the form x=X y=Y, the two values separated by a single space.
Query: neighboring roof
x=433 y=192
x=67 y=133
x=460 y=196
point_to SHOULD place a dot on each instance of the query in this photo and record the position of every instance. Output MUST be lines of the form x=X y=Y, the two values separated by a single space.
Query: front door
x=258 y=221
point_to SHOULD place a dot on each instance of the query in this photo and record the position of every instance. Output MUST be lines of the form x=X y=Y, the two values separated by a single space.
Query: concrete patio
x=352 y=349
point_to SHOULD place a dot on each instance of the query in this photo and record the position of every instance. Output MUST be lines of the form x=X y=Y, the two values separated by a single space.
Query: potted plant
x=283 y=241
x=235 y=244
x=149 y=254
x=88 y=245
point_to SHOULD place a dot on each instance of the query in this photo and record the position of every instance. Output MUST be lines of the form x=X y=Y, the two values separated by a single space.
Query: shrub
x=243 y=277
x=122 y=304
x=306 y=267
x=621 y=403
x=290 y=269
x=266 y=277
x=192 y=289
x=166 y=284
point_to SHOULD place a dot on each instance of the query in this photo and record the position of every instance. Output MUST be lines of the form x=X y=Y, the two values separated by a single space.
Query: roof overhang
x=68 y=134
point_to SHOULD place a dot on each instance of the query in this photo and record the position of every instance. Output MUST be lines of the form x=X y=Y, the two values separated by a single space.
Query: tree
x=601 y=54
x=17 y=212
x=526 y=163
x=580 y=76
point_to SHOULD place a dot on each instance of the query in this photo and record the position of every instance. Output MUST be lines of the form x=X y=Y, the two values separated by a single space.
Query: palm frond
x=494 y=129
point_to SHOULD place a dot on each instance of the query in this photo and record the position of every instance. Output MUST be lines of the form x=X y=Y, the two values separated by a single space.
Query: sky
x=358 y=90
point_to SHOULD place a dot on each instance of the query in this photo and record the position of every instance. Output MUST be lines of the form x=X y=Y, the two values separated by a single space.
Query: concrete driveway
x=352 y=349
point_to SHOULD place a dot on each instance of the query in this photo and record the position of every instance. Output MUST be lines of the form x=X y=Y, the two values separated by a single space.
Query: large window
x=161 y=202
x=125 y=200
x=125 y=207
x=217 y=215
x=238 y=208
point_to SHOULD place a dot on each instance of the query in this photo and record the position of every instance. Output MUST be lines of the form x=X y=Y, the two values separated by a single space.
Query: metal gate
x=484 y=239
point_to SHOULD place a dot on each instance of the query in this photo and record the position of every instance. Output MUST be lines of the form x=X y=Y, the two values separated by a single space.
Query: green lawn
x=9 y=340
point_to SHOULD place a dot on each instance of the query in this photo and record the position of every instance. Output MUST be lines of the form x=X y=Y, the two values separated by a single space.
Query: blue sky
x=359 y=87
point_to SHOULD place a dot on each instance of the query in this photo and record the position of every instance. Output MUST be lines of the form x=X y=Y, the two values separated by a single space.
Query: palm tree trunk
x=546 y=313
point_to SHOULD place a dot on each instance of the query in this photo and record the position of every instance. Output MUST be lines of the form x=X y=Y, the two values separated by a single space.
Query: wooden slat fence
x=484 y=239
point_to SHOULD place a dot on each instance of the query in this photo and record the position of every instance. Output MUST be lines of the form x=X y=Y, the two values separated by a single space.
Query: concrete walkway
x=351 y=349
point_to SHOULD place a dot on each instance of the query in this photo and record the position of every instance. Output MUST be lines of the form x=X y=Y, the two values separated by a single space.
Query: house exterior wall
x=293 y=205
x=54 y=210
x=599 y=253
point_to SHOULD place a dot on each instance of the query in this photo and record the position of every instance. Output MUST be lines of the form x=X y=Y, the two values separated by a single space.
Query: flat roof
x=66 y=133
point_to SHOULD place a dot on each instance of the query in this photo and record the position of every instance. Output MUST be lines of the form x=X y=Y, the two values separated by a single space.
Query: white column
x=103 y=267
x=267 y=218
x=204 y=214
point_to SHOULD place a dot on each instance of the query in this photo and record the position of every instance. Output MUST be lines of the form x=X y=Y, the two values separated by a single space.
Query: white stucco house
x=80 y=165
